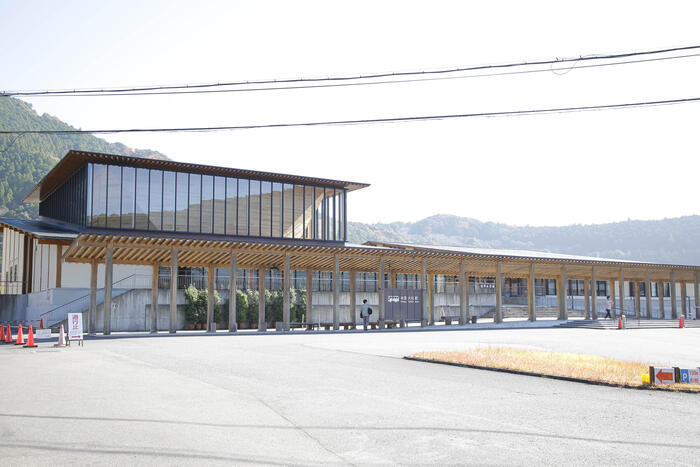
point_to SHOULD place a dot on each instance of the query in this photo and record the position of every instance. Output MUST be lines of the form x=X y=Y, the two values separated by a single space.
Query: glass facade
x=156 y=200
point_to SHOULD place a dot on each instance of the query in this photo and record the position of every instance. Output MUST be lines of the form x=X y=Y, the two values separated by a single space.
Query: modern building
x=132 y=232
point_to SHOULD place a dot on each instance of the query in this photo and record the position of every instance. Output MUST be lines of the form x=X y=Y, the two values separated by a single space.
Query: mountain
x=674 y=240
x=24 y=160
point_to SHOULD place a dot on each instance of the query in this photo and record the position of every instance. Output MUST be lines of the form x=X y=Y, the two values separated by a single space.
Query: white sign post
x=75 y=327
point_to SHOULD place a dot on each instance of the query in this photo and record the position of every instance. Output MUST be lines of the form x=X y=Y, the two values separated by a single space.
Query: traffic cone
x=20 y=337
x=41 y=323
x=619 y=322
x=681 y=324
x=61 y=339
x=30 y=338
x=2 y=333
x=8 y=335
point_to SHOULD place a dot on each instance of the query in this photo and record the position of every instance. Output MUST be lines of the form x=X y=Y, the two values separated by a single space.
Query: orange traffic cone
x=41 y=323
x=681 y=324
x=61 y=339
x=20 y=337
x=8 y=335
x=30 y=338
x=619 y=323
x=2 y=333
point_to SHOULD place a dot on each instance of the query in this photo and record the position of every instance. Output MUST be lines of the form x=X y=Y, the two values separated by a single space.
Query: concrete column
x=531 y=296
x=107 y=305
x=660 y=293
x=621 y=291
x=697 y=295
x=353 y=299
x=498 y=313
x=674 y=305
x=154 y=299
x=647 y=295
x=431 y=299
x=232 y=297
x=563 y=292
x=594 y=295
x=462 y=295
x=309 y=295
x=637 y=301
x=380 y=289
x=262 y=323
x=286 y=305
x=336 y=294
x=424 y=287
x=612 y=297
x=92 y=313
x=586 y=298
x=173 y=292
x=211 y=271
x=684 y=307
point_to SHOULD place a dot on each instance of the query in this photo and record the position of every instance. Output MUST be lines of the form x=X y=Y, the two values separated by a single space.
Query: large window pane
x=243 y=203
x=99 y=195
x=195 y=202
x=231 y=206
x=128 y=189
x=219 y=204
x=288 y=210
x=114 y=195
x=309 y=209
x=298 y=211
x=207 y=202
x=168 y=200
x=276 y=210
x=141 y=214
x=266 y=209
x=156 y=201
x=254 y=216
x=182 y=194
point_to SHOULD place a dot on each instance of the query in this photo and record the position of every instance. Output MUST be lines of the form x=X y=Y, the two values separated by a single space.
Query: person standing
x=365 y=311
x=608 y=306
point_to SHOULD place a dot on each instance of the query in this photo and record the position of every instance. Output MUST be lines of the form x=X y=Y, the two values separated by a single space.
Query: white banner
x=43 y=333
x=75 y=326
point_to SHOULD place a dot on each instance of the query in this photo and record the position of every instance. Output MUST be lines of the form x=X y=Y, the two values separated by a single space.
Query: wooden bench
x=346 y=325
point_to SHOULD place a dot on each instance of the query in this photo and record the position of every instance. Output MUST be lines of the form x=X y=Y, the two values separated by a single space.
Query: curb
x=557 y=377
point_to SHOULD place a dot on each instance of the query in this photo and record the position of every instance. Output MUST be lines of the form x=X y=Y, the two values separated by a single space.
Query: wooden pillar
x=674 y=305
x=531 y=297
x=353 y=298
x=309 y=295
x=647 y=295
x=498 y=313
x=586 y=298
x=173 y=292
x=232 y=294
x=660 y=292
x=286 y=306
x=463 y=294
x=211 y=325
x=563 y=291
x=612 y=297
x=92 y=313
x=594 y=295
x=621 y=291
x=380 y=289
x=154 y=299
x=424 y=287
x=336 y=292
x=107 y=305
x=262 y=323
x=392 y=280
x=431 y=299
x=59 y=265
x=637 y=301
x=684 y=307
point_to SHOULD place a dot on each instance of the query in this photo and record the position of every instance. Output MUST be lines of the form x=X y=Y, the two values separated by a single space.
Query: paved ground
x=344 y=398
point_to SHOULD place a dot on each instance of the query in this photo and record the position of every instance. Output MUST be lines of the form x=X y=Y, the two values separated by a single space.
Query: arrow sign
x=665 y=375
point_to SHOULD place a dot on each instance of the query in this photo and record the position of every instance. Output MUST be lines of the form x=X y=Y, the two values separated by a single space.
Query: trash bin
x=473 y=319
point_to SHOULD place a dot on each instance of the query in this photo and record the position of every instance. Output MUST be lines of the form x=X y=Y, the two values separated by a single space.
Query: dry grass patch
x=588 y=367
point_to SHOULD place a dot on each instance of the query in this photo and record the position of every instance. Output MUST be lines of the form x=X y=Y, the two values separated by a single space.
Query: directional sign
x=690 y=376
x=664 y=375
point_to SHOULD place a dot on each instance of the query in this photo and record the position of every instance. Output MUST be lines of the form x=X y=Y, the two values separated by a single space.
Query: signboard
x=403 y=304
x=664 y=375
x=690 y=376
x=43 y=333
x=75 y=326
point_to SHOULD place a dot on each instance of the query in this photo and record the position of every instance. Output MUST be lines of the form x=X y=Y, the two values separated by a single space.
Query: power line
x=348 y=77
x=363 y=83
x=358 y=122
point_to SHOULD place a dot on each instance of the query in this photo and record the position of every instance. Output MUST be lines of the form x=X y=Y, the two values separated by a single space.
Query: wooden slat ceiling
x=137 y=250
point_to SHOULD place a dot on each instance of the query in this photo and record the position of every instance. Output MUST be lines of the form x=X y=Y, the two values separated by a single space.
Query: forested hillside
x=26 y=159
x=674 y=240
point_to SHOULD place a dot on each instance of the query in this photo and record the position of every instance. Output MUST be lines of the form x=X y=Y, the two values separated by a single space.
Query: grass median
x=585 y=367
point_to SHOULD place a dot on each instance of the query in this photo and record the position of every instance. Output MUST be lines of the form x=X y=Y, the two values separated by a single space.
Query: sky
x=555 y=169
